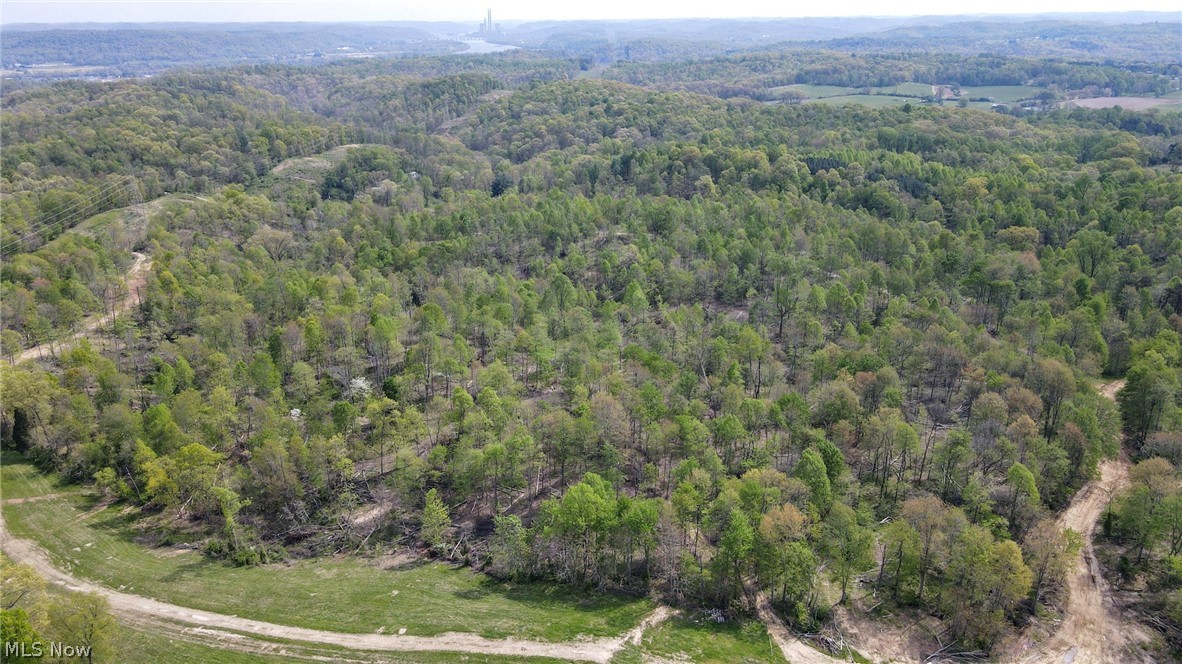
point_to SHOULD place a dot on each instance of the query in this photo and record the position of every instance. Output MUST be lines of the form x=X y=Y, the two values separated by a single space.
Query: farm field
x=906 y=89
x=818 y=91
x=138 y=646
x=53 y=70
x=874 y=101
x=1127 y=103
x=1002 y=93
x=100 y=543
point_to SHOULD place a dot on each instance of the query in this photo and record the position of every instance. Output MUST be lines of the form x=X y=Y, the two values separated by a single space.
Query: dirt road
x=1109 y=390
x=169 y=618
x=795 y=651
x=1092 y=631
x=137 y=276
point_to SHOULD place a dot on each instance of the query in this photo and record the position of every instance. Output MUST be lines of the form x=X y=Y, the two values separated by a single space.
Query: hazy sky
x=57 y=11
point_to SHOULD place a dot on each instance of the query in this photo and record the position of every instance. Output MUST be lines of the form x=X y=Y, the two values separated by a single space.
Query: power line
x=101 y=190
x=49 y=227
x=63 y=218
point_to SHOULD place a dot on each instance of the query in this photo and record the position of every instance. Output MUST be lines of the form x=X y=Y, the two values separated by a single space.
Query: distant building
x=487 y=27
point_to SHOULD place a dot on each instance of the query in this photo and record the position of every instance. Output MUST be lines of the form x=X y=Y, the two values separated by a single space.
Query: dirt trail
x=795 y=651
x=1092 y=631
x=1109 y=390
x=170 y=617
x=137 y=277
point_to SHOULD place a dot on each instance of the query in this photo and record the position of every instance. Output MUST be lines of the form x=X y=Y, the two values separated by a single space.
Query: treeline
x=393 y=103
x=693 y=39
x=645 y=340
x=753 y=74
x=1156 y=42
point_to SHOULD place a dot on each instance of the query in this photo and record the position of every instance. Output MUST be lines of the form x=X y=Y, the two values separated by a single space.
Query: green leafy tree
x=1023 y=490
x=16 y=629
x=1050 y=552
x=846 y=544
x=84 y=620
x=509 y=547
x=734 y=552
x=1148 y=395
x=812 y=471
x=434 y=522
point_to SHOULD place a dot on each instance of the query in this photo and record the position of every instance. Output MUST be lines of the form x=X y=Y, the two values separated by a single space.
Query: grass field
x=1128 y=103
x=908 y=89
x=690 y=639
x=877 y=101
x=818 y=91
x=1003 y=93
x=346 y=594
x=136 y=646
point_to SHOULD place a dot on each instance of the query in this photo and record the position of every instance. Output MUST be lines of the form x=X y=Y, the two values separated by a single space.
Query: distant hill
x=125 y=49
x=1150 y=41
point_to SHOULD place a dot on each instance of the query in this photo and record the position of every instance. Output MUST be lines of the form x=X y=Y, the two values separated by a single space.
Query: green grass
x=313 y=166
x=129 y=216
x=817 y=91
x=1003 y=93
x=138 y=646
x=19 y=480
x=908 y=89
x=693 y=639
x=876 y=101
x=345 y=594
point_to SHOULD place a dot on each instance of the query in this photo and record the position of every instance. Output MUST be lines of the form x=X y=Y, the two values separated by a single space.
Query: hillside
x=605 y=361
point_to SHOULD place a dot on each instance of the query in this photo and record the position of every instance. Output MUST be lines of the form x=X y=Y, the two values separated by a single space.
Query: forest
x=637 y=333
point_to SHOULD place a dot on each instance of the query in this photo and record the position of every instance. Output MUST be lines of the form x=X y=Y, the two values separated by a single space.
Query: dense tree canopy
x=618 y=336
